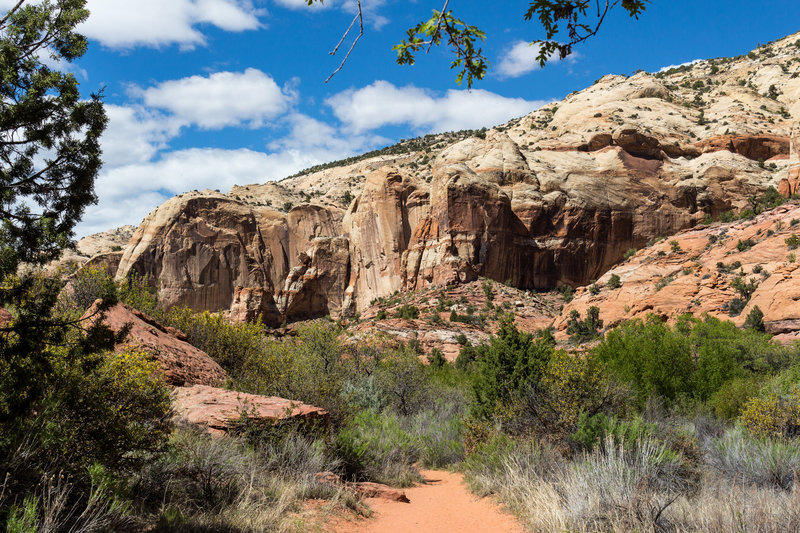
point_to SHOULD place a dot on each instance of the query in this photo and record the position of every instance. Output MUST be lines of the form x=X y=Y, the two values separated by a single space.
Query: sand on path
x=442 y=504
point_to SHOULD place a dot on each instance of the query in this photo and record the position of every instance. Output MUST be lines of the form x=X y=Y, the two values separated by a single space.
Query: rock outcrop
x=365 y=489
x=219 y=411
x=318 y=286
x=255 y=303
x=553 y=198
x=181 y=363
x=791 y=184
x=696 y=271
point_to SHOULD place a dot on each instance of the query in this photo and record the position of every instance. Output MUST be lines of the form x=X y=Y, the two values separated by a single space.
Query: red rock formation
x=219 y=410
x=198 y=249
x=364 y=489
x=318 y=286
x=698 y=277
x=253 y=303
x=755 y=147
x=552 y=198
x=182 y=363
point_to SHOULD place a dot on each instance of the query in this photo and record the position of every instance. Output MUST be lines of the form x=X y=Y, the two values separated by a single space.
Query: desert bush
x=570 y=384
x=53 y=506
x=567 y=293
x=755 y=319
x=439 y=431
x=593 y=430
x=729 y=400
x=226 y=484
x=753 y=460
x=404 y=379
x=506 y=367
x=585 y=330
x=90 y=283
x=614 y=282
x=436 y=358
x=230 y=345
x=110 y=411
x=617 y=488
x=407 y=312
x=693 y=359
x=373 y=446
x=773 y=415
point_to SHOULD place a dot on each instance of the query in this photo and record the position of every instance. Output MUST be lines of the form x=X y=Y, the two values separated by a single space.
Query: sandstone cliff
x=552 y=198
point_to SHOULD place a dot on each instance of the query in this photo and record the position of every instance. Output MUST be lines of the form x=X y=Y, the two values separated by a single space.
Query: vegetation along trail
x=441 y=504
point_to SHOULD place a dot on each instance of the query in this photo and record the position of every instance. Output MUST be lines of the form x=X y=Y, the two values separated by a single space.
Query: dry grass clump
x=643 y=486
x=225 y=484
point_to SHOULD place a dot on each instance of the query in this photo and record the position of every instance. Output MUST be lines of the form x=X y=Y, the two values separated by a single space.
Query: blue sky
x=212 y=93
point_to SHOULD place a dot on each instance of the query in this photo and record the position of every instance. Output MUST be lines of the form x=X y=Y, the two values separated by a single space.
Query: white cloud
x=140 y=174
x=669 y=67
x=135 y=134
x=221 y=99
x=382 y=104
x=521 y=59
x=369 y=9
x=155 y=23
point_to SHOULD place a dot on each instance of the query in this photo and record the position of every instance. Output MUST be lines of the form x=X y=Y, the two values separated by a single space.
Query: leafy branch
x=460 y=36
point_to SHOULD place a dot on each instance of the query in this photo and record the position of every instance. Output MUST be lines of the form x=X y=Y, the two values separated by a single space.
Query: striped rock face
x=552 y=198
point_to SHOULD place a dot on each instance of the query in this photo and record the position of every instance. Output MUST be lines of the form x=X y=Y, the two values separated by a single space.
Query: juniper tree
x=49 y=159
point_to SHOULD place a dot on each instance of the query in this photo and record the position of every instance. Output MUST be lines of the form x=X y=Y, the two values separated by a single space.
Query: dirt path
x=442 y=505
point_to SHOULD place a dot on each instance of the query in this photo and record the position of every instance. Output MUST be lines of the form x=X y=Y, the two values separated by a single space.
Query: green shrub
x=436 y=358
x=381 y=315
x=593 y=430
x=230 y=345
x=570 y=384
x=506 y=367
x=585 y=330
x=792 y=242
x=567 y=293
x=760 y=461
x=736 y=306
x=614 y=282
x=374 y=447
x=663 y=282
x=755 y=319
x=630 y=253
x=727 y=401
x=692 y=359
x=744 y=245
x=594 y=289
x=675 y=246
x=408 y=312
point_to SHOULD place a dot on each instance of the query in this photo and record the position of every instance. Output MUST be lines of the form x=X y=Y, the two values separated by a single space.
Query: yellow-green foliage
x=773 y=415
x=570 y=384
x=230 y=345
x=103 y=415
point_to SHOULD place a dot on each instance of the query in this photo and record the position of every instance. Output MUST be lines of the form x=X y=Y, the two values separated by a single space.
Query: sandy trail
x=442 y=505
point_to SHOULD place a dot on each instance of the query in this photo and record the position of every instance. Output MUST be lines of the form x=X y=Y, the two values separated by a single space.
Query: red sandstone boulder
x=751 y=146
x=182 y=363
x=219 y=410
x=365 y=489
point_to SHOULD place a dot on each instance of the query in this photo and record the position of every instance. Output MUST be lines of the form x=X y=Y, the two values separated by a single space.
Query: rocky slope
x=724 y=270
x=552 y=198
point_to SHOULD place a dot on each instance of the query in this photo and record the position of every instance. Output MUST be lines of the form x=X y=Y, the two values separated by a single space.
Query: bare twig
x=438 y=23
x=359 y=16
